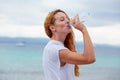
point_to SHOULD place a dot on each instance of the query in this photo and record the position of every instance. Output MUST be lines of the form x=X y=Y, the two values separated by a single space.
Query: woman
x=60 y=59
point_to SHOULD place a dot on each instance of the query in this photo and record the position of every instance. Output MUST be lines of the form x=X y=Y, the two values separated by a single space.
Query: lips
x=69 y=25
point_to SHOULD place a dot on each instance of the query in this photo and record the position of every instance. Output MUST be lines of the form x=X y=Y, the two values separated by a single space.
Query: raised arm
x=88 y=56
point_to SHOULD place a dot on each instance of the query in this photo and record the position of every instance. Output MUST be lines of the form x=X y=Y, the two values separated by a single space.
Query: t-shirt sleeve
x=55 y=54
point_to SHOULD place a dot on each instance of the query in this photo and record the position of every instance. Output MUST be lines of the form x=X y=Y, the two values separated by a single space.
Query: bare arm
x=67 y=56
x=88 y=46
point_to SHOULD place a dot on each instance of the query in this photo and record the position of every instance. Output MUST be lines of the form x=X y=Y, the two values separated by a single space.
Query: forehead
x=60 y=14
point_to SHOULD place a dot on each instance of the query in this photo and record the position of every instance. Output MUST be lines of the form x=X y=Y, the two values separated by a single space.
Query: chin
x=69 y=31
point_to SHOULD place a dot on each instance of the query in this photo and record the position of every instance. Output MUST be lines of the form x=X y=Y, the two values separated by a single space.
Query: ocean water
x=25 y=63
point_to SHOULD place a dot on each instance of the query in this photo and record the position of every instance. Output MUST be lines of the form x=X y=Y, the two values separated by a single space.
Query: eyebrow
x=64 y=17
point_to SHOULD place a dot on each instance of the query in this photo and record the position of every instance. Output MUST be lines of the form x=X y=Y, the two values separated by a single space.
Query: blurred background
x=22 y=37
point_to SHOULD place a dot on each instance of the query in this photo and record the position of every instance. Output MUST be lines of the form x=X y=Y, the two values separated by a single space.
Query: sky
x=25 y=18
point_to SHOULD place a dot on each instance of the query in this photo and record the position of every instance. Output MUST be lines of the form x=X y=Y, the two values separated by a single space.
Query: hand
x=77 y=24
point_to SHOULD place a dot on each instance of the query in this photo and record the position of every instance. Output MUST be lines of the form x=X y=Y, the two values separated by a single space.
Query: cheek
x=60 y=27
x=60 y=24
x=63 y=25
x=64 y=29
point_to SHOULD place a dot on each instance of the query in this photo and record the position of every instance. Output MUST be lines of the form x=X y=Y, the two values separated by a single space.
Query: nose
x=68 y=21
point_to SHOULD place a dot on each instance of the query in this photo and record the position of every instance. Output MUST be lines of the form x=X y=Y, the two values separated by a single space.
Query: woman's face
x=61 y=23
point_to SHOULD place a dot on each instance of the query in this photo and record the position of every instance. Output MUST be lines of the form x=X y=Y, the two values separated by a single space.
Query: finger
x=73 y=20
x=78 y=19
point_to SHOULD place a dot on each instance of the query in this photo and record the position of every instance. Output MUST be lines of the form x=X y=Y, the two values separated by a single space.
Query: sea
x=24 y=62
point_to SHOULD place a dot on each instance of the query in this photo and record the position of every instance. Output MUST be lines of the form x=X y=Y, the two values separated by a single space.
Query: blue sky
x=25 y=18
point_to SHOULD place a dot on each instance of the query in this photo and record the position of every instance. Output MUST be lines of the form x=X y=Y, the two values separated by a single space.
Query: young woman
x=60 y=59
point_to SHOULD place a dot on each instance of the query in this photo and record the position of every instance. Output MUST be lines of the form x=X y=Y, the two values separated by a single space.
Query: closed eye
x=62 y=19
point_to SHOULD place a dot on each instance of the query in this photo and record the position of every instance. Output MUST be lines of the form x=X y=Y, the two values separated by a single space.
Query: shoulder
x=55 y=45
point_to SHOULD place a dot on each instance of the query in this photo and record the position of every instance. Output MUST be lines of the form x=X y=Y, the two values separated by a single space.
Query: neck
x=59 y=38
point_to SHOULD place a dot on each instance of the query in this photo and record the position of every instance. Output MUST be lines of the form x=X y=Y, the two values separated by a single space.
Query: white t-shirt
x=51 y=63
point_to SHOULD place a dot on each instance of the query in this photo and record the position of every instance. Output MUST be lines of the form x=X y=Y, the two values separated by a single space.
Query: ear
x=52 y=28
